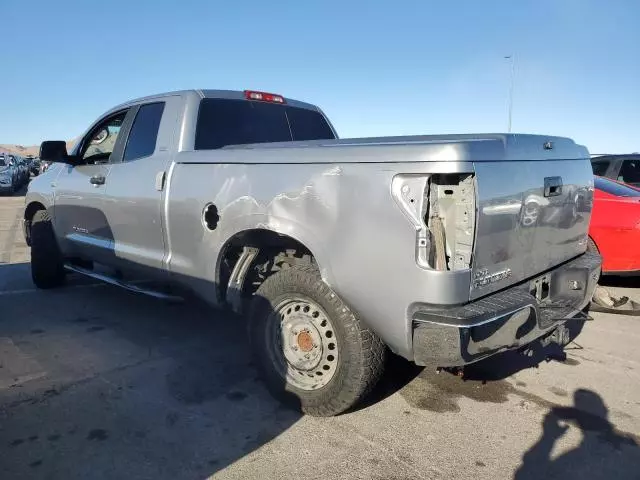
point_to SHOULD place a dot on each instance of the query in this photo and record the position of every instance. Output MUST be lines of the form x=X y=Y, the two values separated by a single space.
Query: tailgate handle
x=552 y=186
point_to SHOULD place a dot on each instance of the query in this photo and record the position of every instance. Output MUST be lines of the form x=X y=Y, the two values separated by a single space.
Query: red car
x=615 y=226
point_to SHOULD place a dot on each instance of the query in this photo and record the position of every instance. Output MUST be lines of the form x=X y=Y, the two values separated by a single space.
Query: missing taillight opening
x=451 y=220
x=442 y=208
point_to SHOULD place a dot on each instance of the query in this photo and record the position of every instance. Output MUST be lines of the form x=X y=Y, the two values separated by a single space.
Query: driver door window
x=101 y=142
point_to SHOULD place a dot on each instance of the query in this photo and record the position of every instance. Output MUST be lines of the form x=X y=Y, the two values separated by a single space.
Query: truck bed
x=518 y=233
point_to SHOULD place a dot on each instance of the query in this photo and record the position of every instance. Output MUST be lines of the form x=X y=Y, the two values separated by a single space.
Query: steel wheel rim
x=302 y=343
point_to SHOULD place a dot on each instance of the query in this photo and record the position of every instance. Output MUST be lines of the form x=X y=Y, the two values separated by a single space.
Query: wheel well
x=263 y=253
x=29 y=212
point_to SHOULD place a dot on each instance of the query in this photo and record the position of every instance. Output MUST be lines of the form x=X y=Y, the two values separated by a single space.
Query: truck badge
x=482 y=277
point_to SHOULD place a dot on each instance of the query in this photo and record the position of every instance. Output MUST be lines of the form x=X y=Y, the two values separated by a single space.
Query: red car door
x=615 y=226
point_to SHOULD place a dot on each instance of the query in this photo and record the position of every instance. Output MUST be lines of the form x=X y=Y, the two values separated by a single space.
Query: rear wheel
x=311 y=350
x=47 y=263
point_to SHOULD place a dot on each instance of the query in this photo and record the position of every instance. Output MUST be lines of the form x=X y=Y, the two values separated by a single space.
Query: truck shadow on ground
x=133 y=386
x=426 y=388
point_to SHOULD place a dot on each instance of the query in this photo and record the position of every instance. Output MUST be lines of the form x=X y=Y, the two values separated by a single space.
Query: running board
x=119 y=283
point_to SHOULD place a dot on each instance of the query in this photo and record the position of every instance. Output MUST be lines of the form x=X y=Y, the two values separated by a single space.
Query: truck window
x=308 y=125
x=144 y=132
x=102 y=140
x=224 y=122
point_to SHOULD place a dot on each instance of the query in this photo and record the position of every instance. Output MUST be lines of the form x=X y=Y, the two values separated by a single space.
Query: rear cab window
x=223 y=122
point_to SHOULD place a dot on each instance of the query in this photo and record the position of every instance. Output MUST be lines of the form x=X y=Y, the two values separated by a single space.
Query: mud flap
x=604 y=302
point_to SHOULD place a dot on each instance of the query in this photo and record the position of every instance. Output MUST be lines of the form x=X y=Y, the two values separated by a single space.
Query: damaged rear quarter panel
x=343 y=212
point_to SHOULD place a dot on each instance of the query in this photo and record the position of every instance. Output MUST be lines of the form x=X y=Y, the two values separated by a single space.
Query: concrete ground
x=96 y=382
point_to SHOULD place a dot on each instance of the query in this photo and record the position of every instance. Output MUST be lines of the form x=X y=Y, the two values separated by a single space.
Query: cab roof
x=208 y=93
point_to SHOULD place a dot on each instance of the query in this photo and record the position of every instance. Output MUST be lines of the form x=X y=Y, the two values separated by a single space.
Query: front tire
x=311 y=350
x=47 y=263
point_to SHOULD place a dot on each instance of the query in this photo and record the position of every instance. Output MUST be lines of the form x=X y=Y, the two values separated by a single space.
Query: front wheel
x=310 y=348
x=47 y=263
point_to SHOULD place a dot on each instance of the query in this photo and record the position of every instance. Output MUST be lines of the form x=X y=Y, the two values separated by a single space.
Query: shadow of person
x=603 y=452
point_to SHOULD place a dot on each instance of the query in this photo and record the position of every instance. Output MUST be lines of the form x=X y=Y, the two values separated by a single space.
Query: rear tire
x=47 y=263
x=332 y=341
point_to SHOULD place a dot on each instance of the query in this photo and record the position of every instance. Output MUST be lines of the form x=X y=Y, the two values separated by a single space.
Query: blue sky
x=376 y=67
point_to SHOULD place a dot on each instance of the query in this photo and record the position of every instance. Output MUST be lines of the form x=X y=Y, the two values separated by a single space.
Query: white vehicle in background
x=7 y=175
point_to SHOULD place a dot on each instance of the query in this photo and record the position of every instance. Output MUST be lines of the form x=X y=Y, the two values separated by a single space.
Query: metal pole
x=512 y=59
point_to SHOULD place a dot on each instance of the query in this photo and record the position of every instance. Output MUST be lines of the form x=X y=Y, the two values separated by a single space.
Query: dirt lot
x=97 y=383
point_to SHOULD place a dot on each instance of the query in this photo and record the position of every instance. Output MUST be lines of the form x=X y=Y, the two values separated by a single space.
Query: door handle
x=552 y=186
x=97 y=180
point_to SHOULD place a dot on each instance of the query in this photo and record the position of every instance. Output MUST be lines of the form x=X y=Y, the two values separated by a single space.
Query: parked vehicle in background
x=615 y=227
x=334 y=249
x=15 y=169
x=25 y=172
x=7 y=176
x=44 y=166
x=21 y=169
x=622 y=168
x=19 y=175
x=34 y=166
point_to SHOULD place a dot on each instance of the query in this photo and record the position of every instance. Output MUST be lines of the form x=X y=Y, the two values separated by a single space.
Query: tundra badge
x=482 y=277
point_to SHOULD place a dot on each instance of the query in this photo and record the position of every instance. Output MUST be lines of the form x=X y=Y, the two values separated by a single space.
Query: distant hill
x=24 y=151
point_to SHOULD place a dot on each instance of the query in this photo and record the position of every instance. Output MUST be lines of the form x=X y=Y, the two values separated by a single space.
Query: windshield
x=615 y=188
x=224 y=122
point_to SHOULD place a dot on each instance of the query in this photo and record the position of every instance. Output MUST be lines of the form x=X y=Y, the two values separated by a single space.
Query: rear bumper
x=512 y=318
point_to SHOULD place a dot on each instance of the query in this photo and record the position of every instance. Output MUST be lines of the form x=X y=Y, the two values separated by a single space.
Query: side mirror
x=55 y=151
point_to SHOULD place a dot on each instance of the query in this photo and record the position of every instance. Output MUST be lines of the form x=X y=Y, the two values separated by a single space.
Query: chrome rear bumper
x=512 y=318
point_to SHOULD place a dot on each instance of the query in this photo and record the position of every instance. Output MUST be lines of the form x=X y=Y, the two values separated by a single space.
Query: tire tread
x=47 y=264
x=366 y=351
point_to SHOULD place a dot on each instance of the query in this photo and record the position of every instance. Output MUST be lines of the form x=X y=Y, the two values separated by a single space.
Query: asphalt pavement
x=100 y=383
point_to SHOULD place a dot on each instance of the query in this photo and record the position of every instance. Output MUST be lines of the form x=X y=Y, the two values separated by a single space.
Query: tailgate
x=532 y=216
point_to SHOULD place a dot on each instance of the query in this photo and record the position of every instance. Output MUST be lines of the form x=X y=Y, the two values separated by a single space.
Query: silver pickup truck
x=444 y=249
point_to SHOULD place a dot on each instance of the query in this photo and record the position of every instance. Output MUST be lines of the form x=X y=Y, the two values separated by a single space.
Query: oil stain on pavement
x=440 y=392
